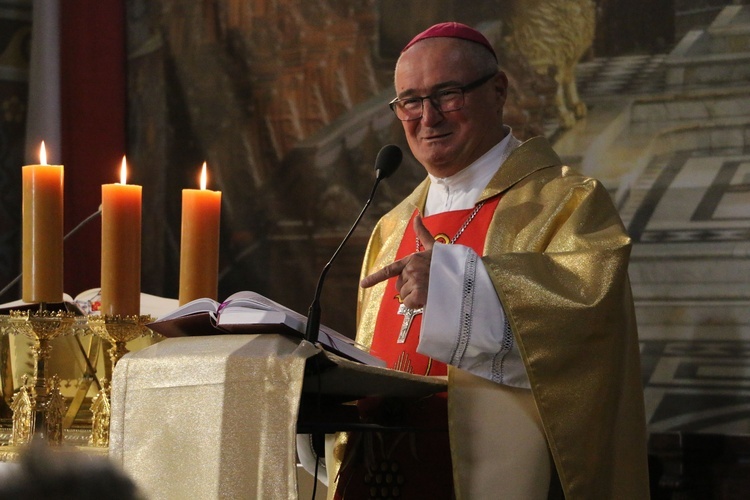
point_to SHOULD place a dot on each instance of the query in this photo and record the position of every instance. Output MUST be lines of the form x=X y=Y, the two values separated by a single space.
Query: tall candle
x=121 y=247
x=199 y=245
x=42 y=231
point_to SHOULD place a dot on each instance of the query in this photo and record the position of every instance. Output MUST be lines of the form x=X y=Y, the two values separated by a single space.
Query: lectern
x=217 y=416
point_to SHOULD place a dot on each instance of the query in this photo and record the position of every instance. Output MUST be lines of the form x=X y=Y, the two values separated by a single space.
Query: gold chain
x=462 y=228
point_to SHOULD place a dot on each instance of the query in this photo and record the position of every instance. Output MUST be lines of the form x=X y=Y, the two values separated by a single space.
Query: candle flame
x=204 y=176
x=123 y=172
x=42 y=155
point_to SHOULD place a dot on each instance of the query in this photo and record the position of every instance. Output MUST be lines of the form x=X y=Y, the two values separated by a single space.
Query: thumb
x=423 y=233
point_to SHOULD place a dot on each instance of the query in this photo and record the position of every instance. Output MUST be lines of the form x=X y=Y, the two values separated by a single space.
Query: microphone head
x=388 y=160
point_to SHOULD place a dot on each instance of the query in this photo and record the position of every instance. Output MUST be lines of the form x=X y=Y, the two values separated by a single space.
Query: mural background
x=286 y=101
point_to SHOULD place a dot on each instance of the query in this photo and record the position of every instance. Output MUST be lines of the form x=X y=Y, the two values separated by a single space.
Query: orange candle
x=121 y=247
x=199 y=245
x=42 y=231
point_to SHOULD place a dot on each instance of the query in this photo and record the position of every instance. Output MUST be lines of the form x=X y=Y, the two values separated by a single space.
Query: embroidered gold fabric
x=557 y=253
x=210 y=417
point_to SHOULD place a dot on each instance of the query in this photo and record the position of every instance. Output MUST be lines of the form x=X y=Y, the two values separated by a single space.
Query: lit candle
x=121 y=247
x=42 y=231
x=199 y=246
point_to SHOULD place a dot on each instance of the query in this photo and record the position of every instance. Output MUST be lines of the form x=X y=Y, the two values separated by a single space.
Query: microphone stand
x=312 y=328
x=388 y=159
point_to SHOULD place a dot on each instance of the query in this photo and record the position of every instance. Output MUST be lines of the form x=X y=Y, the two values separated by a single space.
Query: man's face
x=446 y=143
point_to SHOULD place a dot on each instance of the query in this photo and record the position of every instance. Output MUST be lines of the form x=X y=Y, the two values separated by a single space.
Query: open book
x=250 y=312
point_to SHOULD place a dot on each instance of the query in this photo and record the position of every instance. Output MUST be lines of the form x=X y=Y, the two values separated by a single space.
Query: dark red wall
x=93 y=95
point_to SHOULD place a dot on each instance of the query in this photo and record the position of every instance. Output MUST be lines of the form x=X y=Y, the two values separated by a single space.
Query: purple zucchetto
x=452 y=30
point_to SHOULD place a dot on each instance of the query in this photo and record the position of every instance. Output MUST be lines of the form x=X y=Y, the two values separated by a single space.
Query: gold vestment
x=557 y=253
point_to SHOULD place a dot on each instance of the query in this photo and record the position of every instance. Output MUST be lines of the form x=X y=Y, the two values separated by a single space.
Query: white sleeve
x=464 y=323
x=308 y=458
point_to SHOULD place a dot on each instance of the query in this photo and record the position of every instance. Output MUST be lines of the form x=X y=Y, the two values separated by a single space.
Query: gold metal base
x=39 y=406
x=119 y=330
x=38 y=410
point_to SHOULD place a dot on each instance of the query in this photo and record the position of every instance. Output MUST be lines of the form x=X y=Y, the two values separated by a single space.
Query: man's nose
x=430 y=113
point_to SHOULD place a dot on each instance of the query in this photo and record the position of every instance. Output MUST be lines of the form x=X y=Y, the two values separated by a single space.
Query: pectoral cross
x=409 y=315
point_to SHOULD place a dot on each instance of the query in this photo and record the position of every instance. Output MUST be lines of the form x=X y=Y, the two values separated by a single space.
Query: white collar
x=461 y=190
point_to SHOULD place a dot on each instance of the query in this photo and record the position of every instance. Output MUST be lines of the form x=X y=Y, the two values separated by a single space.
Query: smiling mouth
x=436 y=137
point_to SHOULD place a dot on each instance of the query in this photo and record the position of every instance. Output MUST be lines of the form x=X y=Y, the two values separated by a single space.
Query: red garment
x=443 y=226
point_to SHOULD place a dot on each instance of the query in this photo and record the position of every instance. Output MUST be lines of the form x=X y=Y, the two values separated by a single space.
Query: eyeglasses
x=444 y=100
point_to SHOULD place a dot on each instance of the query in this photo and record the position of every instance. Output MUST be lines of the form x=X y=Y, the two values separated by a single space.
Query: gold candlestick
x=100 y=415
x=39 y=411
x=117 y=330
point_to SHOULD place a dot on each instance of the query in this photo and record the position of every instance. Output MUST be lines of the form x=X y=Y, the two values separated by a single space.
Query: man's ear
x=500 y=83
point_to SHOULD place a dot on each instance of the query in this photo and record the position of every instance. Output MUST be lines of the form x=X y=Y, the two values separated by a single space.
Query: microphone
x=388 y=160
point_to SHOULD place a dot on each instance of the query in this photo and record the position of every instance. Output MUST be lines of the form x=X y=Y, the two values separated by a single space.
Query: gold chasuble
x=557 y=254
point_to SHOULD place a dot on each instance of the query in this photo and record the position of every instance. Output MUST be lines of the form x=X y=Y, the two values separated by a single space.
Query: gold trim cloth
x=210 y=417
x=557 y=253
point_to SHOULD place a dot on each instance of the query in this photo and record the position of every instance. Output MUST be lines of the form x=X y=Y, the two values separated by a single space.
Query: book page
x=252 y=300
x=193 y=307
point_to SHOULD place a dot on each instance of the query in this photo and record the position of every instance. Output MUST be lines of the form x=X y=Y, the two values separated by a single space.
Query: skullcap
x=452 y=30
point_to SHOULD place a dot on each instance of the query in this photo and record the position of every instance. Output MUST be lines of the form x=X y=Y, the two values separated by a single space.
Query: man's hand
x=413 y=271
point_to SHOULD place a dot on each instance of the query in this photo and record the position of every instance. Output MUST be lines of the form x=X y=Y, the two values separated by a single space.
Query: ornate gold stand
x=38 y=411
x=39 y=406
x=117 y=330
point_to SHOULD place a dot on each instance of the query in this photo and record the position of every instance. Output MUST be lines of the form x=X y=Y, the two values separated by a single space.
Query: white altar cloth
x=210 y=417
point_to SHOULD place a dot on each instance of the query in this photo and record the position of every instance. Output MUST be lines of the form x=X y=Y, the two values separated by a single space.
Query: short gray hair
x=477 y=56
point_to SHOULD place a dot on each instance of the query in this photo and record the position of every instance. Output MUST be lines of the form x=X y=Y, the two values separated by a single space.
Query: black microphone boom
x=387 y=161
